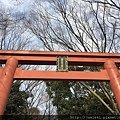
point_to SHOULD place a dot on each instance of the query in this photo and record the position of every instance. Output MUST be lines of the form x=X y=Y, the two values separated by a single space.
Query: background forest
x=61 y=25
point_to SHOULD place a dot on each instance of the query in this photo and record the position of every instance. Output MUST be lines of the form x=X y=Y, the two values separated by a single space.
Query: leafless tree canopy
x=77 y=25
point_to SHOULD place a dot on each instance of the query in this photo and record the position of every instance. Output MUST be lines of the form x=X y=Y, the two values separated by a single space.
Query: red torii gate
x=11 y=72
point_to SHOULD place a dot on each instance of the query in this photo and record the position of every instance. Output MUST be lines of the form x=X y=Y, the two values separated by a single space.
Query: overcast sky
x=17 y=5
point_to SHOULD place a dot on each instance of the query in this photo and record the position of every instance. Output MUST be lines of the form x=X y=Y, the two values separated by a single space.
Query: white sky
x=17 y=5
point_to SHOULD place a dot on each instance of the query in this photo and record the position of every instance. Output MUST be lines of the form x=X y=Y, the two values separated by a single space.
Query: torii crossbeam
x=11 y=72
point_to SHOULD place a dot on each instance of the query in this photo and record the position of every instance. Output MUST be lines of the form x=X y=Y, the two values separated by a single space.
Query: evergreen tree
x=72 y=98
x=17 y=102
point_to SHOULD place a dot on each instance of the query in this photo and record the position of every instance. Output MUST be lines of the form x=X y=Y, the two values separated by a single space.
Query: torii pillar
x=6 y=81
